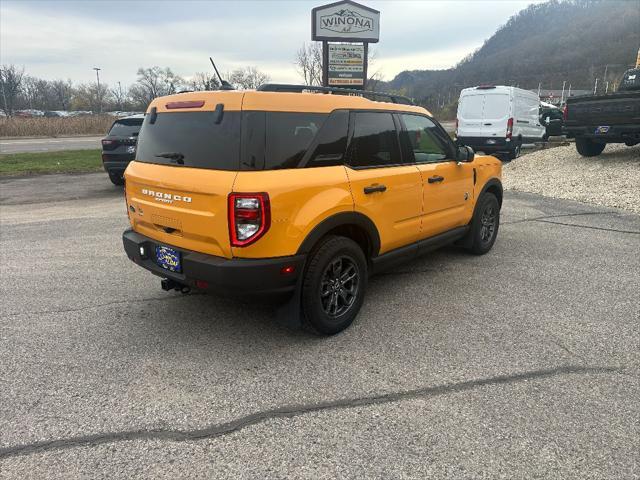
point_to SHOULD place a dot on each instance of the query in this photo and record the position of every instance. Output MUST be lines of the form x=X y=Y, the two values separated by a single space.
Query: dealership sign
x=345 y=21
x=346 y=65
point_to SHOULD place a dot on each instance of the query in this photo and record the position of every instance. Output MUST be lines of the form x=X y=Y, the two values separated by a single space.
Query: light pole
x=98 y=79
x=119 y=95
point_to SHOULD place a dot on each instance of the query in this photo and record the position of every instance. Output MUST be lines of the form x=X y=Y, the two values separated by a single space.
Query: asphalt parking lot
x=522 y=363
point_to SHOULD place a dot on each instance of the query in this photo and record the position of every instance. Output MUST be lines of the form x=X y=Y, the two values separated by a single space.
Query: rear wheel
x=485 y=224
x=116 y=178
x=334 y=285
x=515 y=151
x=588 y=148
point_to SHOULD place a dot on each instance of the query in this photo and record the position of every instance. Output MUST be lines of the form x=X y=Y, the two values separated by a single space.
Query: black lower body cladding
x=269 y=277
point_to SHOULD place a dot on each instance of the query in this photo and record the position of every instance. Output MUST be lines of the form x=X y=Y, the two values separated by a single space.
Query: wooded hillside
x=573 y=40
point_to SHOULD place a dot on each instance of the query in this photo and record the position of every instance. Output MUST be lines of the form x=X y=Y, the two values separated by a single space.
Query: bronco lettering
x=166 y=197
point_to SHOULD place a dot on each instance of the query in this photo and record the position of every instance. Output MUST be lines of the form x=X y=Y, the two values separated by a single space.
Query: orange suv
x=300 y=193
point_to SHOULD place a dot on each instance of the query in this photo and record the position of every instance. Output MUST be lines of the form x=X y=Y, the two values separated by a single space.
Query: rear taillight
x=565 y=112
x=249 y=217
x=509 y=128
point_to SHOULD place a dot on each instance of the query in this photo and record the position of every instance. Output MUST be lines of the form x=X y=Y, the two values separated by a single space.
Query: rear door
x=184 y=170
x=496 y=113
x=385 y=188
x=470 y=114
x=447 y=184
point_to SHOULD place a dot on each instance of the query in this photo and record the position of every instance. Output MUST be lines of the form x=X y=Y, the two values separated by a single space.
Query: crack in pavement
x=291 y=411
x=100 y=305
x=633 y=232
x=547 y=219
x=560 y=215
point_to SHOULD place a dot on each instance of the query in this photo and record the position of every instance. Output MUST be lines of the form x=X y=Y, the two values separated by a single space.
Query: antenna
x=224 y=85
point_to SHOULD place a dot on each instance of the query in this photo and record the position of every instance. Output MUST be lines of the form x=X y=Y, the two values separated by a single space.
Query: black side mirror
x=465 y=154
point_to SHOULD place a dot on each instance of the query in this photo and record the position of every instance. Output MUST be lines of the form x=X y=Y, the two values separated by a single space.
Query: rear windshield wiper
x=177 y=156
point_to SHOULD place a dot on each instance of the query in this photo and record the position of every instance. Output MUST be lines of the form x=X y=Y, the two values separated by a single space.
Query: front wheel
x=334 y=285
x=588 y=148
x=485 y=224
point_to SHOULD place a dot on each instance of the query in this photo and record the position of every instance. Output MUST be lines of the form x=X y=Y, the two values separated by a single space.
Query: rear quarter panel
x=300 y=199
x=487 y=168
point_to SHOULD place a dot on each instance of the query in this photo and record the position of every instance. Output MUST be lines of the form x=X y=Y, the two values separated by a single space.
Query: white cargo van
x=498 y=119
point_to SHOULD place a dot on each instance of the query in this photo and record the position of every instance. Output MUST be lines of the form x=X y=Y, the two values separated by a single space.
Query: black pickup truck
x=595 y=120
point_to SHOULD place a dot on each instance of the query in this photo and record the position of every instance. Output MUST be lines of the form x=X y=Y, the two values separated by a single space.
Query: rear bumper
x=614 y=134
x=236 y=277
x=487 y=144
x=116 y=163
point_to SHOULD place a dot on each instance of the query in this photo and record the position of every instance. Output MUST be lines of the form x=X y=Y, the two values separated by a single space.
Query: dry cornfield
x=55 y=127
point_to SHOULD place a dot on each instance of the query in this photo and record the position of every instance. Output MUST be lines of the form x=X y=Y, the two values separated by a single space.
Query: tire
x=588 y=148
x=515 y=151
x=116 y=179
x=485 y=224
x=328 y=306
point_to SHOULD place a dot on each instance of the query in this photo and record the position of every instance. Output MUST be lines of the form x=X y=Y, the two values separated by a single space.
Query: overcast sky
x=65 y=39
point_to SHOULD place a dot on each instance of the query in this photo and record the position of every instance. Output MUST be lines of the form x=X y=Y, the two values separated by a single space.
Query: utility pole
x=595 y=87
x=562 y=97
x=98 y=79
x=119 y=96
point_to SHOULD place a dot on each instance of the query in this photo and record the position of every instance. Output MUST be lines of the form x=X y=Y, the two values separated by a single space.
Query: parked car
x=498 y=119
x=119 y=146
x=551 y=118
x=300 y=195
x=595 y=120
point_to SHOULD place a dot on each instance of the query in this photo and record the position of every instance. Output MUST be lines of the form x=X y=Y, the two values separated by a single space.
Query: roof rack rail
x=291 y=88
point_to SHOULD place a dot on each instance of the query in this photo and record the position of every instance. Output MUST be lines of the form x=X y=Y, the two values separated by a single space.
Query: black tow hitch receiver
x=168 y=284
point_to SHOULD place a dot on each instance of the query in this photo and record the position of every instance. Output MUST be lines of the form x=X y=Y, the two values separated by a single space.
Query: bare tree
x=376 y=78
x=63 y=92
x=87 y=96
x=308 y=62
x=120 y=97
x=154 y=82
x=37 y=93
x=203 y=81
x=10 y=84
x=248 y=78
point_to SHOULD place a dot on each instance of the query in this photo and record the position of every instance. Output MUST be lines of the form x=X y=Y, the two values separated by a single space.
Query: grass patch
x=66 y=161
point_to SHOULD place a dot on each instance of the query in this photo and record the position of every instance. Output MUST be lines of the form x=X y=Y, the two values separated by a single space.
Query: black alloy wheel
x=339 y=286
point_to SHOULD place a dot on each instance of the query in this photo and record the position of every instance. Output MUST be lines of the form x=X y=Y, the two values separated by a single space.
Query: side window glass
x=331 y=141
x=424 y=140
x=289 y=135
x=375 y=141
x=277 y=140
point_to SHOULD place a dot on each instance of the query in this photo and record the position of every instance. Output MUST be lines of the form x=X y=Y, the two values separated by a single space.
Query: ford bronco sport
x=300 y=193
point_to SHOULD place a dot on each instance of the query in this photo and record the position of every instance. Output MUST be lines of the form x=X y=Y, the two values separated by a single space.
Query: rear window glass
x=126 y=127
x=192 y=139
x=277 y=140
x=471 y=107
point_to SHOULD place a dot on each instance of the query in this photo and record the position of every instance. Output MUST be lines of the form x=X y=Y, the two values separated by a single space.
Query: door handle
x=374 y=188
x=488 y=124
x=435 y=178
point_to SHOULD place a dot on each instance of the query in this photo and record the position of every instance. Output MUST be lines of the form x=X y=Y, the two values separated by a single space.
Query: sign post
x=355 y=26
